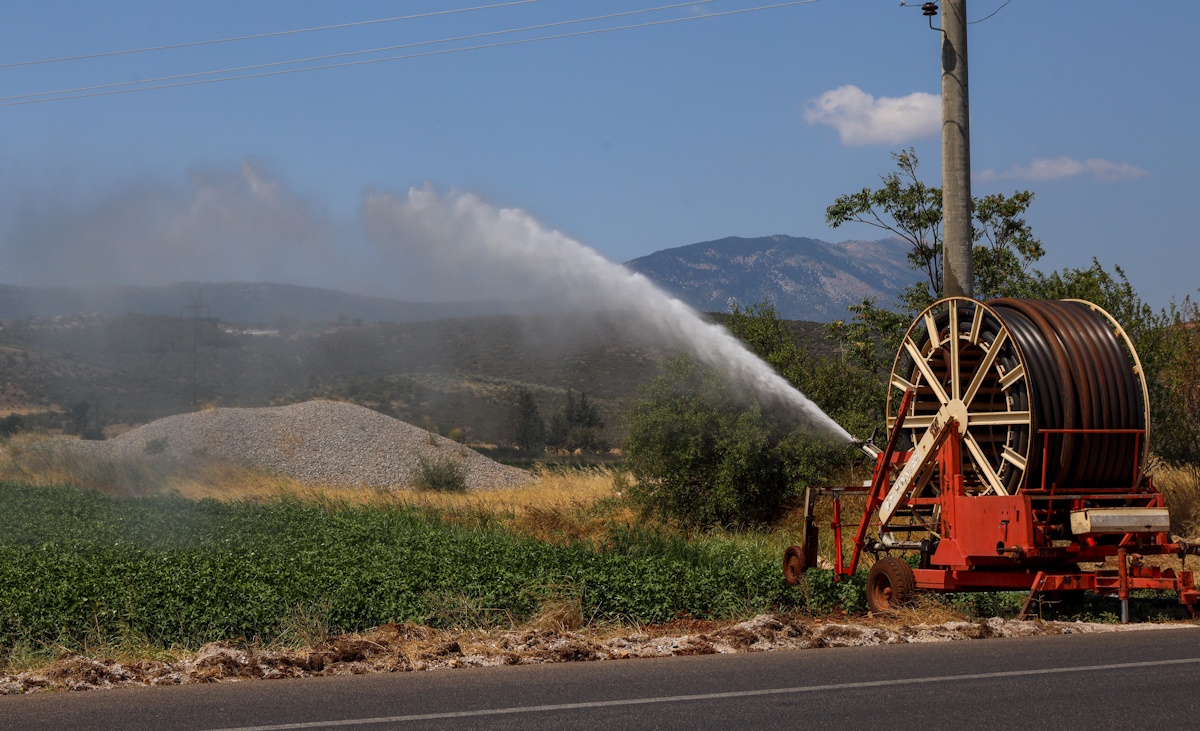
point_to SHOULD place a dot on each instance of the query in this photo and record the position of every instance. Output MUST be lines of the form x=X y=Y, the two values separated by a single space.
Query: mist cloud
x=423 y=245
x=245 y=225
x=220 y=226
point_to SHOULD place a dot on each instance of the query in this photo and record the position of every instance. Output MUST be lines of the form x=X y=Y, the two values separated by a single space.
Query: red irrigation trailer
x=1015 y=453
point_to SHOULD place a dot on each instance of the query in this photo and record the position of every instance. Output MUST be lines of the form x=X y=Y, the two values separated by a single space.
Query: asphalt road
x=1146 y=679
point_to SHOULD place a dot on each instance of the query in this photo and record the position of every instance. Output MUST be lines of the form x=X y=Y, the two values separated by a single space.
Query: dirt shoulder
x=410 y=648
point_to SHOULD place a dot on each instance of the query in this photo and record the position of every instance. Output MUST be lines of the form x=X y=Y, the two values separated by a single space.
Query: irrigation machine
x=1015 y=460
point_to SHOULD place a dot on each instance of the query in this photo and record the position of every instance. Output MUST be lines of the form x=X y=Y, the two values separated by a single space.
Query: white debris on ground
x=316 y=442
x=406 y=647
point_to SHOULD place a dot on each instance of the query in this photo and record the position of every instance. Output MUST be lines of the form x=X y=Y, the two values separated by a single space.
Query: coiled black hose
x=1082 y=378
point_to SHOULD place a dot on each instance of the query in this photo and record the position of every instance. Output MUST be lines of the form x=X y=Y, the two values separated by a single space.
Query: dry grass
x=31 y=459
x=559 y=506
x=1182 y=490
x=927 y=609
x=127 y=648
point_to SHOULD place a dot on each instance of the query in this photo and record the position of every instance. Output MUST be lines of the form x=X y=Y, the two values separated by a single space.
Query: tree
x=700 y=457
x=526 y=425
x=839 y=385
x=76 y=421
x=909 y=209
x=703 y=455
x=1002 y=265
x=1004 y=252
x=1177 y=430
x=577 y=426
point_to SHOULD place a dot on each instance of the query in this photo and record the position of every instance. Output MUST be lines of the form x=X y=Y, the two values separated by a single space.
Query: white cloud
x=1065 y=167
x=861 y=119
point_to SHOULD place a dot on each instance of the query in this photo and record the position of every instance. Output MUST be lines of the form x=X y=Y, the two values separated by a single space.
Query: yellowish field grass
x=1182 y=490
x=557 y=505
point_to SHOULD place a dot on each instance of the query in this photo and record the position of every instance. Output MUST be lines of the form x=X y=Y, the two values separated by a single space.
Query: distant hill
x=807 y=279
x=234 y=302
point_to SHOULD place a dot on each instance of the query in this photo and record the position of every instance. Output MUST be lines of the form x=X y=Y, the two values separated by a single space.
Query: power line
x=1005 y=5
x=197 y=74
x=272 y=34
x=346 y=64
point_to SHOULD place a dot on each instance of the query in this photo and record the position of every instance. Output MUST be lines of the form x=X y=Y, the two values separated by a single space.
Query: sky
x=629 y=141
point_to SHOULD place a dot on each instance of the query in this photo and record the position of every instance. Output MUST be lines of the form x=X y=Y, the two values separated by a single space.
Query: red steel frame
x=1008 y=542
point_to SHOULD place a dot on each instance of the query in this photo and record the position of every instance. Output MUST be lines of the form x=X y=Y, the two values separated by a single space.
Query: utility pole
x=957 y=232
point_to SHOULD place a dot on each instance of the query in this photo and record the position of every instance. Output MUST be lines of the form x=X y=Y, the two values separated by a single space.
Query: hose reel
x=1011 y=372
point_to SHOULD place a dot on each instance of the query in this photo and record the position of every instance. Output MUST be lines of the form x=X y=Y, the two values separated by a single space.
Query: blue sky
x=630 y=141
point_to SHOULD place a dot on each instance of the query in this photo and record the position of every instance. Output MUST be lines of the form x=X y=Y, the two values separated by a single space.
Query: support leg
x=1033 y=591
x=1123 y=586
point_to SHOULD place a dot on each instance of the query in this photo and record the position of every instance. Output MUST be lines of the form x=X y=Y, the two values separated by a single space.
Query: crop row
x=76 y=564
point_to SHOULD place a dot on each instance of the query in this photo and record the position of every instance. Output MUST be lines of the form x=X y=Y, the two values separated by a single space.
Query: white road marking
x=711 y=696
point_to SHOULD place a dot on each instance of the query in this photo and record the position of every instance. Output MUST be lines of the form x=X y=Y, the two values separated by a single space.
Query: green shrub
x=705 y=453
x=699 y=456
x=825 y=594
x=441 y=474
x=702 y=457
x=155 y=446
x=12 y=424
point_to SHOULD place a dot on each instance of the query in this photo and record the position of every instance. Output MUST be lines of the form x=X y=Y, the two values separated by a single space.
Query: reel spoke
x=927 y=372
x=998 y=418
x=988 y=360
x=982 y=465
x=955 y=383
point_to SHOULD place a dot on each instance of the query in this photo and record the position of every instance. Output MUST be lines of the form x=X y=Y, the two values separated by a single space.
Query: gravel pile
x=316 y=442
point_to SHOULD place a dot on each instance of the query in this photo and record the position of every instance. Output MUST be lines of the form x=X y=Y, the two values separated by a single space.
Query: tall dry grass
x=1181 y=487
x=35 y=460
x=558 y=505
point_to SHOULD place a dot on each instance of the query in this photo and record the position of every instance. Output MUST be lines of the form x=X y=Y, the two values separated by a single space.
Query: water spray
x=460 y=230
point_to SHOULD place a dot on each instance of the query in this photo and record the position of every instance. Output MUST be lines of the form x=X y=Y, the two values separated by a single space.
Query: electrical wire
x=973 y=22
x=346 y=64
x=235 y=69
x=274 y=34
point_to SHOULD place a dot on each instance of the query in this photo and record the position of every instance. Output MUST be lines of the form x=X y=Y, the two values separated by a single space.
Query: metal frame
x=1001 y=523
x=1005 y=542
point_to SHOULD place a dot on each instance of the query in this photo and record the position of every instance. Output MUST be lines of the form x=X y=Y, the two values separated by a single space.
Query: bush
x=703 y=453
x=11 y=424
x=1176 y=428
x=701 y=458
x=155 y=446
x=441 y=474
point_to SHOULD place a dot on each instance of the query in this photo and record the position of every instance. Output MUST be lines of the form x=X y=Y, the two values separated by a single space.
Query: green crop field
x=78 y=567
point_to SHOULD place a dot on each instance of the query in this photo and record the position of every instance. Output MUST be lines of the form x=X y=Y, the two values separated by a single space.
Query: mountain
x=234 y=302
x=807 y=279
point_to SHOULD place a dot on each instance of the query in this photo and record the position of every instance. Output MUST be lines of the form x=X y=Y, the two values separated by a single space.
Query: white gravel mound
x=316 y=442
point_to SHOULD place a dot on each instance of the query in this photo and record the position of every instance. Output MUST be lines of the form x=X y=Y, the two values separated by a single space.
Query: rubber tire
x=890 y=584
x=793 y=565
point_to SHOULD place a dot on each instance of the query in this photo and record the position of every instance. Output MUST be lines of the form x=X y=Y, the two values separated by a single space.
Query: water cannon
x=867 y=446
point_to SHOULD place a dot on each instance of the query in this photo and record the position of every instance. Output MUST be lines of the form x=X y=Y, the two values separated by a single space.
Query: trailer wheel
x=793 y=565
x=890 y=584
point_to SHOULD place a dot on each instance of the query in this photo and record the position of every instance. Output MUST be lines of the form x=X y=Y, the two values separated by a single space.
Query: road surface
x=1147 y=679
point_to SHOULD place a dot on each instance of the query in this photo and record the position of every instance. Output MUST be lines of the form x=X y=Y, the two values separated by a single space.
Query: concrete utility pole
x=957 y=233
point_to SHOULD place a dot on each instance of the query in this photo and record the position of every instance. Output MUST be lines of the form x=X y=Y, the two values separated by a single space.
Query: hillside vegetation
x=442 y=374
